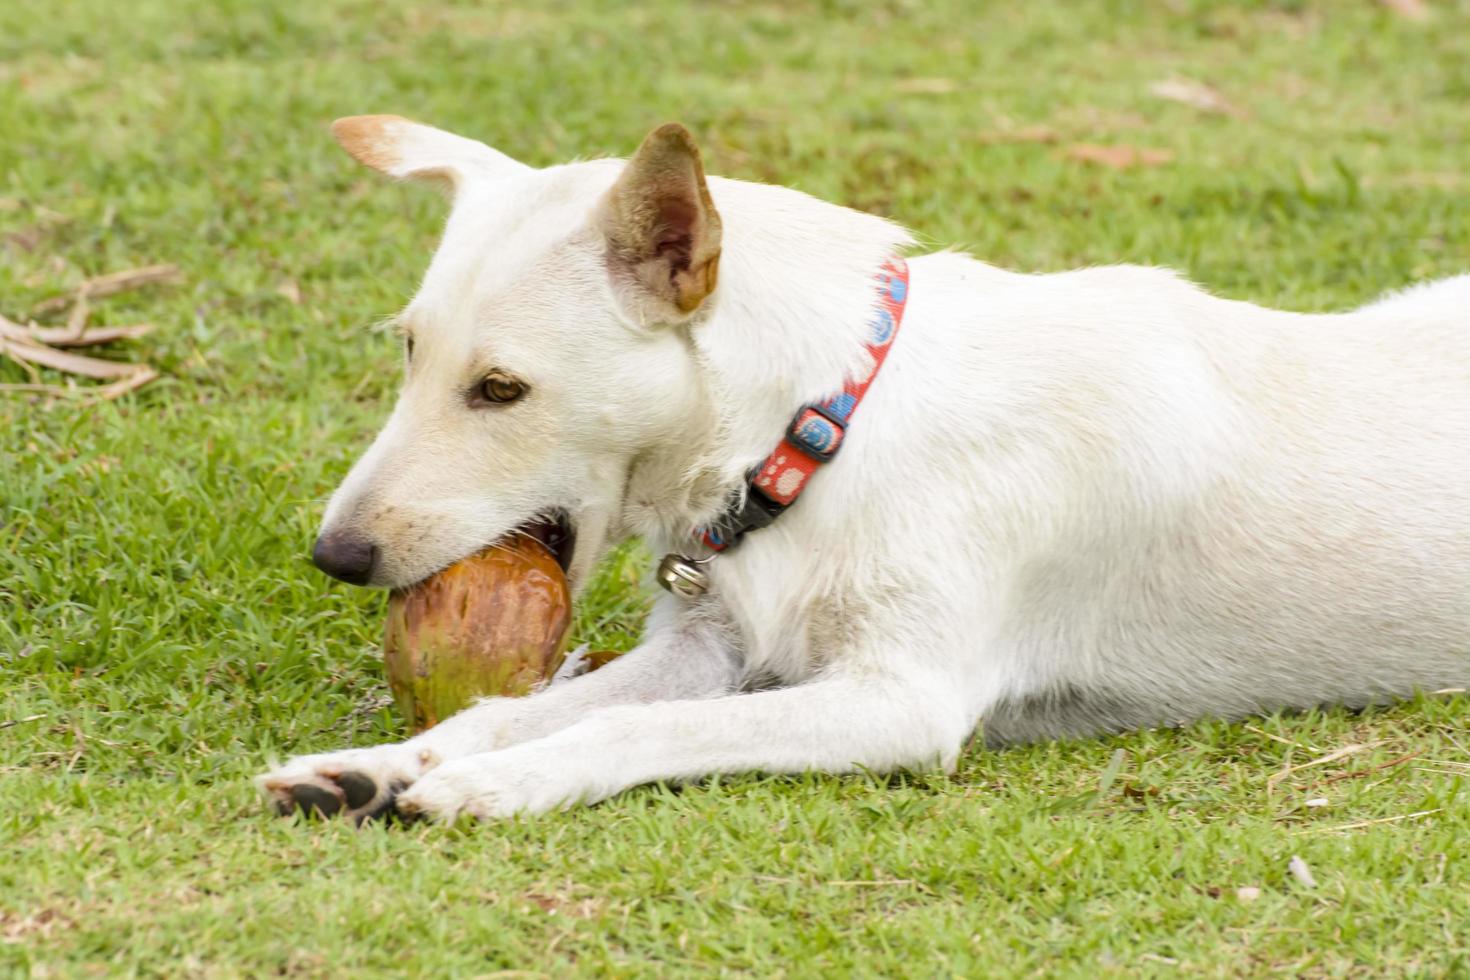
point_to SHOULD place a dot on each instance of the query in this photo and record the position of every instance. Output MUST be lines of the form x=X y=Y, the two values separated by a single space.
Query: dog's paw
x=360 y=784
x=487 y=786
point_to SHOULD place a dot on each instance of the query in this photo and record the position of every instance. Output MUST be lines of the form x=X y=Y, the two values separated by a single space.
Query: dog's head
x=539 y=359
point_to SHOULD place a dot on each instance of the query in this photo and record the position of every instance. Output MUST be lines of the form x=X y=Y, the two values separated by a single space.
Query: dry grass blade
x=87 y=367
x=1371 y=823
x=111 y=284
x=1382 y=765
x=1333 y=756
x=1277 y=738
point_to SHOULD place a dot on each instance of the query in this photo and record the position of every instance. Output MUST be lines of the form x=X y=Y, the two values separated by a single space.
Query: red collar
x=816 y=432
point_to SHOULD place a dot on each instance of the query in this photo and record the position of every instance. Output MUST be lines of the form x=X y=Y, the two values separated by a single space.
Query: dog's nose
x=345 y=556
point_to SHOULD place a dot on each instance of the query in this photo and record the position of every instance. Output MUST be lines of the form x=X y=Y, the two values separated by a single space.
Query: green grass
x=158 y=614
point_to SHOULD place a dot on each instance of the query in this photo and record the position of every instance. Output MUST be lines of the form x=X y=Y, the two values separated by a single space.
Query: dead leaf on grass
x=16 y=928
x=563 y=904
x=27 y=239
x=1446 y=180
x=1020 y=134
x=1194 y=93
x=925 y=86
x=1408 y=9
x=1119 y=157
x=1301 y=871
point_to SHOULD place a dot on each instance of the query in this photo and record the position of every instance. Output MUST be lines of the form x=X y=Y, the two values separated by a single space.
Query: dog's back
x=1258 y=509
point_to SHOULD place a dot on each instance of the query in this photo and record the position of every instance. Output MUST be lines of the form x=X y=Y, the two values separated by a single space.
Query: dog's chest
x=789 y=623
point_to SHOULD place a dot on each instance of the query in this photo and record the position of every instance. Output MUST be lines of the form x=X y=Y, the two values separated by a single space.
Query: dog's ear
x=662 y=228
x=405 y=149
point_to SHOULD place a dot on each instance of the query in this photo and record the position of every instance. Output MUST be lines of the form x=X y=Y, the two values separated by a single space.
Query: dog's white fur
x=1076 y=502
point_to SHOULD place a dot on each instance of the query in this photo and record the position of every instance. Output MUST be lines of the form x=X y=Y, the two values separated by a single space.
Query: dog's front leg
x=832 y=725
x=683 y=657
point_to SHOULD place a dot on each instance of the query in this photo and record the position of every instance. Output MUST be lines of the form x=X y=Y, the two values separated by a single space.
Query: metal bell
x=682 y=575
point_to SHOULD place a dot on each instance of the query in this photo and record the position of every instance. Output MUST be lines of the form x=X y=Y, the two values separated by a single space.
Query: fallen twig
x=40 y=389
x=31 y=346
x=87 y=367
x=92 y=336
x=76 y=320
x=110 y=284
x=63 y=337
x=117 y=389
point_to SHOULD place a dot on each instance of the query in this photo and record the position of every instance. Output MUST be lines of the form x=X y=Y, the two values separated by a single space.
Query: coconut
x=492 y=624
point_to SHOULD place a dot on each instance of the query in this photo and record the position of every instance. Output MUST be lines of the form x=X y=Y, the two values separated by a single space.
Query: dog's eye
x=408 y=347
x=499 y=388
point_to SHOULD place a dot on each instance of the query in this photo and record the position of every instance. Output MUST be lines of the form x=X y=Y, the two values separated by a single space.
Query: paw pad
x=314 y=801
x=351 y=794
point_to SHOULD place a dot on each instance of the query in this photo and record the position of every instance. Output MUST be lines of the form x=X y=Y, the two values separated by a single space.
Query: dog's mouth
x=555 y=531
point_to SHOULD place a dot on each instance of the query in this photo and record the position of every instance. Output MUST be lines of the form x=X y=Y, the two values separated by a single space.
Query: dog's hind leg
x=680 y=660
x=838 y=724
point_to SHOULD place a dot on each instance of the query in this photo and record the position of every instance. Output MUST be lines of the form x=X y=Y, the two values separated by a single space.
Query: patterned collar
x=812 y=439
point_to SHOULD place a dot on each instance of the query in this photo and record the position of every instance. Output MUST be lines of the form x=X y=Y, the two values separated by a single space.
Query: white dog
x=1070 y=503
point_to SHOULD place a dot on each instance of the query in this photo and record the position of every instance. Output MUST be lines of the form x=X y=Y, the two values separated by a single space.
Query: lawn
x=162 y=634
